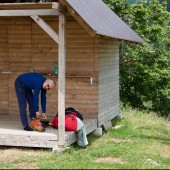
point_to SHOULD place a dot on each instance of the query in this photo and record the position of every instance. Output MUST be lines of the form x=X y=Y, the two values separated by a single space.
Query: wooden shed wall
x=3 y=65
x=108 y=106
x=24 y=45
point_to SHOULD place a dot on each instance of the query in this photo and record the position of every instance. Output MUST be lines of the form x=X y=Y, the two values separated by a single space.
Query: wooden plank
x=21 y=58
x=108 y=114
x=15 y=27
x=27 y=5
x=109 y=85
x=4 y=92
x=4 y=22
x=44 y=41
x=108 y=80
x=18 y=21
x=12 y=135
x=79 y=58
x=80 y=50
x=19 y=50
x=29 y=12
x=43 y=45
x=106 y=96
x=39 y=35
x=19 y=31
x=19 y=35
x=19 y=41
x=20 y=66
x=48 y=49
x=107 y=104
x=84 y=41
x=108 y=75
x=3 y=66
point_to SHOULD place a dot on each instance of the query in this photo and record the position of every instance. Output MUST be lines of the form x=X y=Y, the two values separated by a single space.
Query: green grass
x=143 y=142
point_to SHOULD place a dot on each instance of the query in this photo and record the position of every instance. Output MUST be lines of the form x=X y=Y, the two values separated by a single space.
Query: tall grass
x=142 y=141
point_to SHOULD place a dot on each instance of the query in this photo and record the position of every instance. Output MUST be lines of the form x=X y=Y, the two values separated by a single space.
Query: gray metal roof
x=103 y=20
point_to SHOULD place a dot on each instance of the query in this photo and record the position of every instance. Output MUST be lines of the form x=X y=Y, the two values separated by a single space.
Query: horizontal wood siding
x=3 y=66
x=19 y=54
x=80 y=94
x=25 y=46
x=108 y=106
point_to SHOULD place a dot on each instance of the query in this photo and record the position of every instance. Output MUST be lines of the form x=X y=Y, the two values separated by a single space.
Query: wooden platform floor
x=12 y=133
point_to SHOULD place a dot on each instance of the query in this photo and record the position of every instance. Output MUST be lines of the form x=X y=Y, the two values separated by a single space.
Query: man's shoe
x=36 y=125
x=27 y=128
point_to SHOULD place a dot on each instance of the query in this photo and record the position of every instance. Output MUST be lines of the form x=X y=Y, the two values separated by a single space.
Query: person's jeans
x=24 y=95
x=81 y=133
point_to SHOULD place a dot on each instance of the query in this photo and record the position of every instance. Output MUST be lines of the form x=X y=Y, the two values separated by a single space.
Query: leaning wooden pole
x=61 y=79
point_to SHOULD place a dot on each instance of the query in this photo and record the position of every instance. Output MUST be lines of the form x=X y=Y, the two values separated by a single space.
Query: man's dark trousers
x=24 y=95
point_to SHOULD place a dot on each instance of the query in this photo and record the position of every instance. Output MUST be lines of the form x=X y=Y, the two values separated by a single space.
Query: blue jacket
x=34 y=81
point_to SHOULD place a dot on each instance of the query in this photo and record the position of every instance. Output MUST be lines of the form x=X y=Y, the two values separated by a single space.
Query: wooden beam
x=26 y=3
x=46 y=28
x=56 y=5
x=61 y=79
x=77 y=17
x=32 y=5
x=29 y=12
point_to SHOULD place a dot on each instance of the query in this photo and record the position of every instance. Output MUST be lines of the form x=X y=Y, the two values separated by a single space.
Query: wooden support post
x=61 y=80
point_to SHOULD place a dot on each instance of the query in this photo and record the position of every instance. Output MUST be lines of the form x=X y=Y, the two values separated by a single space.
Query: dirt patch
x=116 y=140
x=26 y=166
x=110 y=160
x=163 y=150
x=118 y=127
x=11 y=154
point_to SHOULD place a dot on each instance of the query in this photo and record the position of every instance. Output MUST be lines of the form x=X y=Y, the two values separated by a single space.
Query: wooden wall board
x=108 y=106
x=80 y=95
x=4 y=90
x=19 y=50
x=31 y=5
x=3 y=66
x=110 y=113
x=44 y=50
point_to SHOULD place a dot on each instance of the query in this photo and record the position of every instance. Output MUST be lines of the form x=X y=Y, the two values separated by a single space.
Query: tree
x=145 y=69
x=161 y=1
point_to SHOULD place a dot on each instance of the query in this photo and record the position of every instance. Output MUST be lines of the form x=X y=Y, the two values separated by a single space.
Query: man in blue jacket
x=28 y=87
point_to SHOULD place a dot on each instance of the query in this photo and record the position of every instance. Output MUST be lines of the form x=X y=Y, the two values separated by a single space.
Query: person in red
x=73 y=123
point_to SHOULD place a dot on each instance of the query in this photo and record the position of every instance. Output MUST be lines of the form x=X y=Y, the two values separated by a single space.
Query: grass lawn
x=137 y=141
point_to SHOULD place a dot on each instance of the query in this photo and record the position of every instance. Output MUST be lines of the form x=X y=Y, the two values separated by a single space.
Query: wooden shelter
x=83 y=37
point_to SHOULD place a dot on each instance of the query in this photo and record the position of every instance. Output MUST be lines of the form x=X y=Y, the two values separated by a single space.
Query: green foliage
x=161 y=1
x=145 y=69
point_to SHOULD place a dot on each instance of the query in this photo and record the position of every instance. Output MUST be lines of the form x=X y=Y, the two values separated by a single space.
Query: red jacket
x=70 y=122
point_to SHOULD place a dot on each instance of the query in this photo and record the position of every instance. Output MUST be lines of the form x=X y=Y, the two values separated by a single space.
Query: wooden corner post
x=61 y=78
